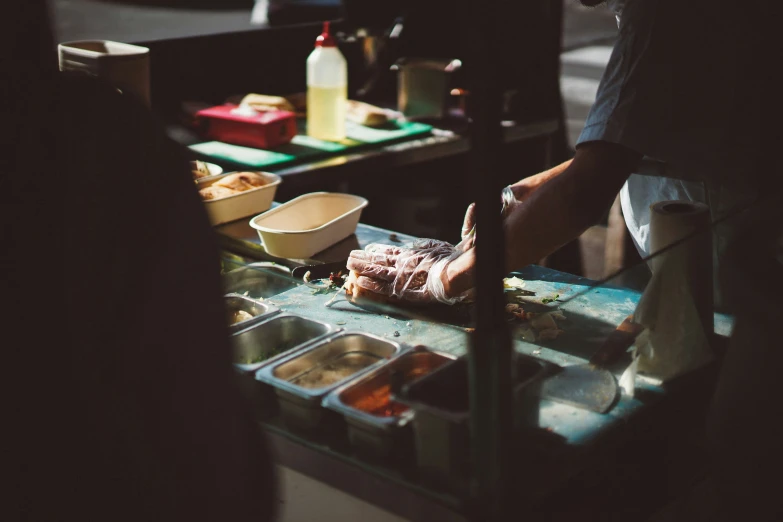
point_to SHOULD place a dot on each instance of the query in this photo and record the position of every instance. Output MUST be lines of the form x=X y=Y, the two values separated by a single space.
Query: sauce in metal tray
x=335 y=370
x=374 y=396
x=379 y=403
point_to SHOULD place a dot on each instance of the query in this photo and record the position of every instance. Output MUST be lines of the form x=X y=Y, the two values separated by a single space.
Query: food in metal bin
x=232 y=184
x=257 y=356
x=239 y=316
x=379 y=403
x=335 y=370
x=252 y=360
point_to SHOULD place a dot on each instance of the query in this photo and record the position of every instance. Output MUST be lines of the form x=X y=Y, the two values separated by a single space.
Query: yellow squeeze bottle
x=327 y=89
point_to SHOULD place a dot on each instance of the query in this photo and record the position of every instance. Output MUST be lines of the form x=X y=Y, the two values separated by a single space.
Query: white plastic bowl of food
x=308 y=224
x=242 y=204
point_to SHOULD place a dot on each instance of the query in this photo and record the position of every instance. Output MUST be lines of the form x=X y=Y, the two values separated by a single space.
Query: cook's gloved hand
x=469 y=224
x=414 y=273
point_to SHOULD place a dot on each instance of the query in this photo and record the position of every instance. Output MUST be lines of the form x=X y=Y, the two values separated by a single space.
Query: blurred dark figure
x=124 y=405
x=744 y=429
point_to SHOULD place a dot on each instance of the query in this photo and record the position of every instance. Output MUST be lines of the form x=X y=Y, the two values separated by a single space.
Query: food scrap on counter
x=336 y=281
x=511 y=283
x=539 y=326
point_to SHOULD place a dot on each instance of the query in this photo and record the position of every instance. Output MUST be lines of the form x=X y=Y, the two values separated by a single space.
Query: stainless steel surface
x=301 y=405
x=239 y=303
x=258 y=280
x=370 y=432
x=275 y=338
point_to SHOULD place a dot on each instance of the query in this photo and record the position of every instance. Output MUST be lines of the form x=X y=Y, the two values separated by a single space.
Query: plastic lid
x=325 y=38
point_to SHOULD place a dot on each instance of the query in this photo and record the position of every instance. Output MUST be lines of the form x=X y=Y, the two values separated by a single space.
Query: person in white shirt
x=678 y=115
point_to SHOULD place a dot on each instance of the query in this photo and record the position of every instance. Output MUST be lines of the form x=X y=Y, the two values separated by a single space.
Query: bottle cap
x=325 y=38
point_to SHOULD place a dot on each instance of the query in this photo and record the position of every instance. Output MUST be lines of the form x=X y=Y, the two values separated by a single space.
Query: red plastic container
x=263 y=130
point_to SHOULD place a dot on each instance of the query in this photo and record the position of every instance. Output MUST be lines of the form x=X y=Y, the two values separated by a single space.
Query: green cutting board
x=304 y=148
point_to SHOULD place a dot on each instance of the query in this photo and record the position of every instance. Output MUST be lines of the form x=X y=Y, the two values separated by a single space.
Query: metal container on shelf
x=258 y=280
x=276 y=337
x=377 y=425
x=424 y=85
x=271 y=340
x=239 y=307
x=441 y=405
x=302 y=379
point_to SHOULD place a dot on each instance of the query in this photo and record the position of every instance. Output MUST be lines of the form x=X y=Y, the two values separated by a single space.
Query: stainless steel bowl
x=257 y=310
x=377 y=425
x=274 y=338
x=302 y=379
x=258 y=280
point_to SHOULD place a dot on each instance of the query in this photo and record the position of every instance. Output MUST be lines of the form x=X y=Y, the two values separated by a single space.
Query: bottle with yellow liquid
x=327 y=89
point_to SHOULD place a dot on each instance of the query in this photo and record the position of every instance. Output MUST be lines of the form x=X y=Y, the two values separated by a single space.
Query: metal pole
x=490 y=372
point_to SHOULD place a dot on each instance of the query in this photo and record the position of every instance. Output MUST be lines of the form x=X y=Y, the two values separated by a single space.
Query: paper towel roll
x=671 y=221
x=676 y=306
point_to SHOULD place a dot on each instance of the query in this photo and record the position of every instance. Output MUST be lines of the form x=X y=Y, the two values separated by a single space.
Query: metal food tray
x=290 y=331
x=441 y=406
x=379 y=435
x=258 y=280
x=258 y=310
x=440 y=401
x=301 y=406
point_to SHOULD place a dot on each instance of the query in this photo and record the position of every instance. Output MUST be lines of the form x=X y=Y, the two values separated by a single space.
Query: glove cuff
x=435 y=286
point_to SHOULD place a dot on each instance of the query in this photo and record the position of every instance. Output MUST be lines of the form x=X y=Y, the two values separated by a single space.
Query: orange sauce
x=379 y=403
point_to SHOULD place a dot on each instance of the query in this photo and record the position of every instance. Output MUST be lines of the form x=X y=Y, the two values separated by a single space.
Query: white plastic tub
x=124 y=65
x=237 y=206
x=308 y=224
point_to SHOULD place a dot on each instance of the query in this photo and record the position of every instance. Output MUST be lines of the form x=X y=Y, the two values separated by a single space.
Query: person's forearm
x=524 y=188
x=574 y=198
x=557 y=205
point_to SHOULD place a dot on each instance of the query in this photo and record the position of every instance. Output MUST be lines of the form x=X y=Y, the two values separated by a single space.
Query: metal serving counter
x=566 y=442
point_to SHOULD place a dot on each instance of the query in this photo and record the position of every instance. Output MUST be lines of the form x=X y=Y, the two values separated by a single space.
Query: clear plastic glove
x=468 y=234
x=414 y=273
